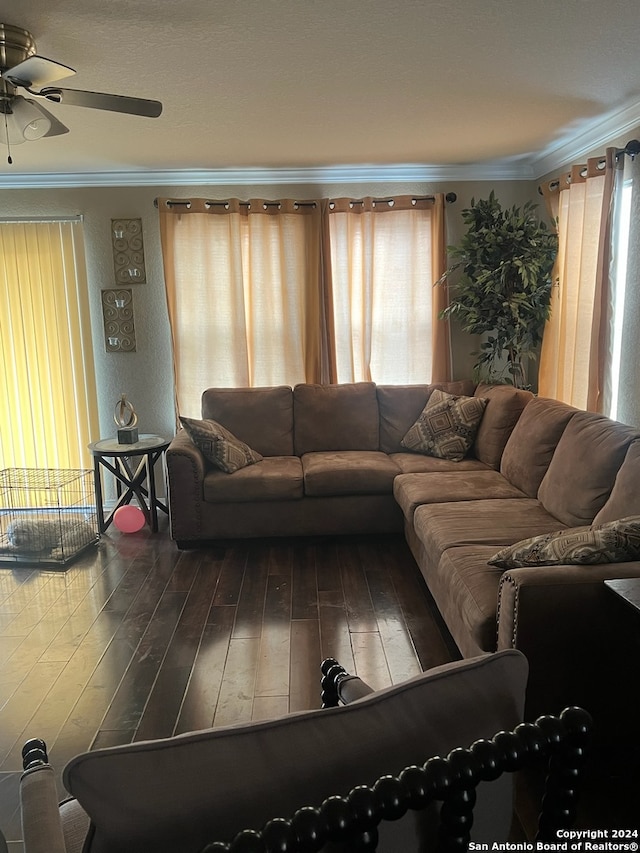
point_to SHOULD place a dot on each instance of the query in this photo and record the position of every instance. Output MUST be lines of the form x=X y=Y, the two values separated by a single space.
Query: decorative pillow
x=613 y=542
x=220 y=446
x=446 y=426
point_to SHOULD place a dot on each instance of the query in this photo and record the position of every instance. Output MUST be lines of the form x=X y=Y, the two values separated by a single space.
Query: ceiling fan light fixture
x=32 y=123
x=10 y=133
x=24 y=120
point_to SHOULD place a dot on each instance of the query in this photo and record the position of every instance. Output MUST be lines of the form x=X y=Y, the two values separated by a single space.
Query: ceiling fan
x=24 y=119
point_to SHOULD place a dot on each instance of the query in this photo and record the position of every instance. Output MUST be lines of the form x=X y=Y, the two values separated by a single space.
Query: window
x=589 y=351
x=48 y=407
x=623 y=401
x=244 y=294
x=619 y=286
x=381 y=272
x=264 y=293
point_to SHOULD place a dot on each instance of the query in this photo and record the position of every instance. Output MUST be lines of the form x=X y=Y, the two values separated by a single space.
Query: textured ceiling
x=300 y=84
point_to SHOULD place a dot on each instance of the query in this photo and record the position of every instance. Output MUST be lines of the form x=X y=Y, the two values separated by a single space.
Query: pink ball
x=129 y=519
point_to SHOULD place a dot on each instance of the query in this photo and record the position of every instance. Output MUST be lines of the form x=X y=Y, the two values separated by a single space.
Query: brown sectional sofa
x=565 y=468
x=333 y=463
x=328 y=468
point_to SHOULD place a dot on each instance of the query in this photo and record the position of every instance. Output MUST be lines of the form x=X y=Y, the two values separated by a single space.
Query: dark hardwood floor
x=138 y=640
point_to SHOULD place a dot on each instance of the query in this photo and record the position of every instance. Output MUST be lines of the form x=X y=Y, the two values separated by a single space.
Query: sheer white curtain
x=623 y=386
x=574 y=347
x=385 y=258
x=244 y=294
x=267 y=293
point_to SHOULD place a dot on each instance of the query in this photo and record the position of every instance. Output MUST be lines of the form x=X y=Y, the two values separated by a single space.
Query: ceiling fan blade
x=102 y=101
x=57 y=128
x=37 y=71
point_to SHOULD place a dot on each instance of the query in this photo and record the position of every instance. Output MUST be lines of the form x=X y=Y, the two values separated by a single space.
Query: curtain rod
x=27 y=220
x=632 y=148
x=179 y=202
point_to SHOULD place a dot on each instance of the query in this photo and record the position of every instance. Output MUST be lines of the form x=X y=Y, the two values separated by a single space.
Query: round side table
x=130 y=481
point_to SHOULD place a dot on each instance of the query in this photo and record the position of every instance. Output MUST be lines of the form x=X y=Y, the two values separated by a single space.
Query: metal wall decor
x=119 y=327
x=128 y=251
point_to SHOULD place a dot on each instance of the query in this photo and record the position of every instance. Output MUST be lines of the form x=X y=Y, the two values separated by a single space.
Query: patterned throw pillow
x=220 y=446
x=447 y=426
x=613 y=542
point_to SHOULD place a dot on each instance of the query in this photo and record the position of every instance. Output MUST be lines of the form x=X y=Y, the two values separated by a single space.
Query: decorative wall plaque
x=128 y=251
x=119 y=327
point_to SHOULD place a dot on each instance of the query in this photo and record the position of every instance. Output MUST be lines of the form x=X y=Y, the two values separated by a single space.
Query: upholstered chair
x=198 y=791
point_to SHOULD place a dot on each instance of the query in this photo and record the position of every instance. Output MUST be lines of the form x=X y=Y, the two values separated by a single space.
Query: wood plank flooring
x=138 y=640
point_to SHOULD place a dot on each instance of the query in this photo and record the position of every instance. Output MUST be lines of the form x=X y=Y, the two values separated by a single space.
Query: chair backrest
x=356 y=763
x=181 y=793
x=354 y=820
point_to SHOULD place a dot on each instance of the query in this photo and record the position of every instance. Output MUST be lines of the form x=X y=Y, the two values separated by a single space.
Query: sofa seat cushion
x=412 y=490
x=416 y=463
x=583 y=469
x=467 y=590
x=483 y=522
x=348 y=472
x=275 y=478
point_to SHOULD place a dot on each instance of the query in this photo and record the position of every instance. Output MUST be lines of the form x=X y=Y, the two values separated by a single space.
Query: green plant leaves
x=504 y=264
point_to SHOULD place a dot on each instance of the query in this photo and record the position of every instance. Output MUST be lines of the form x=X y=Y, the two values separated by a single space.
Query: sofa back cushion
x=532 y=443
x=504 y=407
x=181 y=793
x=335 y=417
x=261 y=417
x=583 y=469
x=624 y=499
x=400 y=407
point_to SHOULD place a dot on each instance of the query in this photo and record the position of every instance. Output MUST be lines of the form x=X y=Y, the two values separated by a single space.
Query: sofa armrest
x=41 y=823
x=183 y=453
x=572 y=629
x=186 y=468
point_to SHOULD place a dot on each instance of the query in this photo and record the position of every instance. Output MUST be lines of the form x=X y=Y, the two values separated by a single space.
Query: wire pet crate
x=47 y=516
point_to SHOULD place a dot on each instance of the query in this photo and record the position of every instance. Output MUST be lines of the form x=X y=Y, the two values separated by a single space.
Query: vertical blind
x=48 y=405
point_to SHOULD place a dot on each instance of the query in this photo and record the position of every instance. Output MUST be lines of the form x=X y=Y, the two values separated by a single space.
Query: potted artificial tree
x=503 y=289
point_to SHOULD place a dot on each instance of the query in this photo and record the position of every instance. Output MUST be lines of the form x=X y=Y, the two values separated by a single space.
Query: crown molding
x=588 y=138
x=574 y=144
x=253 y=176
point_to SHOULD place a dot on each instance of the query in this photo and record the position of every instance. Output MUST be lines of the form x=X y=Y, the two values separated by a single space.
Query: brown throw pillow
x=220 y=446
x=613 y=542
x=446 y=426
